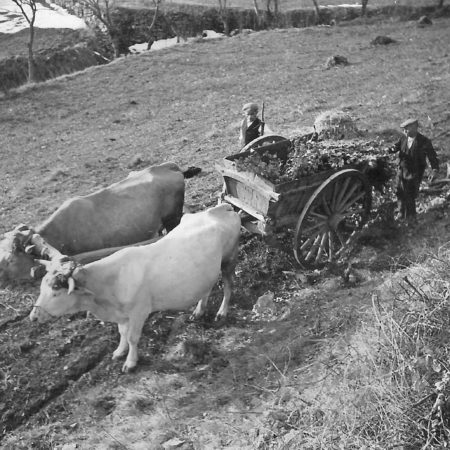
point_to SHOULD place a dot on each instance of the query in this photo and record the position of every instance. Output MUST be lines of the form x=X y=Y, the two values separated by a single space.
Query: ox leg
x=135 y=326
x=228 y=273
x=227 y=288
x=201 y=307
x=123 y=344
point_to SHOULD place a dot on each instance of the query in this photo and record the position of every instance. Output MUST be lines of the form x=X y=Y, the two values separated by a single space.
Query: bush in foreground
x=386 y=384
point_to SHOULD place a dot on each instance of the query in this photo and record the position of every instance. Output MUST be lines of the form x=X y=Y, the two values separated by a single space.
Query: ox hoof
x=117 y=355
x=127 y=368
x=193 y=317
x=220 y=318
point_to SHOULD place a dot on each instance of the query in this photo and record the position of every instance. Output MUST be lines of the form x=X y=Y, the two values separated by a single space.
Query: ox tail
x=191 y=171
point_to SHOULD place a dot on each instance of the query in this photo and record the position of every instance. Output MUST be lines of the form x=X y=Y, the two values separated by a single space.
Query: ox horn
x=71 y=283
x=29 y=249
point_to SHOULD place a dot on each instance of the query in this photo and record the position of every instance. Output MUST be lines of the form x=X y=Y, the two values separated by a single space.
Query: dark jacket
x=252 y=132
x=413 y=161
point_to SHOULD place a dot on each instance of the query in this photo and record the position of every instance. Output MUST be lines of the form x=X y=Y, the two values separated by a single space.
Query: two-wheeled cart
x=325 y=210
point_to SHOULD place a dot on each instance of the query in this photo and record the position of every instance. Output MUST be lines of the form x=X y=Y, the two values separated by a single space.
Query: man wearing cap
x=414 y=149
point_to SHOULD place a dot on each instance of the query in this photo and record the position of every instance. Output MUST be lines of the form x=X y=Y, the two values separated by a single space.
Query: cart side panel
x=247 y=195
x=280 y=204
x=291 y=203
x=281 y=211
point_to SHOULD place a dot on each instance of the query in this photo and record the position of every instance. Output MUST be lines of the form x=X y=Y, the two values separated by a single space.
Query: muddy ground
x=202 y=385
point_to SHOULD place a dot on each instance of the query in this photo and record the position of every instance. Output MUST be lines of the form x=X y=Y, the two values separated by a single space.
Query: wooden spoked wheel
x=337 y=209
x=260 y=141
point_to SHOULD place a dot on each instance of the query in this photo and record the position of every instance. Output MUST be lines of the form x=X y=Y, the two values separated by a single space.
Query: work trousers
x=407 y=192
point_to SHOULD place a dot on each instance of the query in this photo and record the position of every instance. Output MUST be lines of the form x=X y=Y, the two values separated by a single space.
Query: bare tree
x=317 y=10
x=179 y=23
x=257 y=11
x=271 y=16
x=102 y=11
x=156 y=4
x=261 y=15
x=364 y=7
x=256 y=7
x=268 y=13
x=275 y=6
x=28 y=9
x=224 y=16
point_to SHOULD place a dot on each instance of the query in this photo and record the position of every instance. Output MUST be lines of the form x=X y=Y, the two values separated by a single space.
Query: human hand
x=432 y=175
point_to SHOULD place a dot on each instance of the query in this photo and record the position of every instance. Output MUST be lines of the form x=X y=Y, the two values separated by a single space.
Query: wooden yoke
x=40 y=248
x=95 y=255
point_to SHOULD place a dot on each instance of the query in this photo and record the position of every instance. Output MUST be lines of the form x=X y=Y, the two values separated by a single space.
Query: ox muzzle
x=41 y=315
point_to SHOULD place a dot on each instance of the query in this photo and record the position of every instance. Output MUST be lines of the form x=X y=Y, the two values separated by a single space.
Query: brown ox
x=127 y=212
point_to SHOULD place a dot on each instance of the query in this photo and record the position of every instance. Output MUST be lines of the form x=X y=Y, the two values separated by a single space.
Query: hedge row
x=49 y=64
x=191 y=21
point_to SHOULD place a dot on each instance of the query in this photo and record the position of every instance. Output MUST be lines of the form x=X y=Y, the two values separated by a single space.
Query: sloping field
x=199 y=386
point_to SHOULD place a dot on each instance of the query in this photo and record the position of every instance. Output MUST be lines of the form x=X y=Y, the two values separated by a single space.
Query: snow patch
x=167 y=43
x=12 y=20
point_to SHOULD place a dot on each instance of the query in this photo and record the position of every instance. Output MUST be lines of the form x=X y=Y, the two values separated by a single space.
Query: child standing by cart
x=252 y=126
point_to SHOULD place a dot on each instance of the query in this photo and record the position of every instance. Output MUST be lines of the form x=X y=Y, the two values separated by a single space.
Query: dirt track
x=81 y=132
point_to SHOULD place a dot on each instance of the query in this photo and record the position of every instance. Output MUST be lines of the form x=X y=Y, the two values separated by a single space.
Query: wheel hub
x=334 y=220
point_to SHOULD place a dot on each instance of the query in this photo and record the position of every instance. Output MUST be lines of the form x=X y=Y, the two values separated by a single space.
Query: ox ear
x=78 y=278
x=79 y=275
x=14 y=246
x=22 y=227
x=37 y=272
x=19 y=240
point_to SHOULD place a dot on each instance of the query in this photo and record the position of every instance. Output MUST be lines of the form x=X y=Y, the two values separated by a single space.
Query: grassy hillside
x=184 y=103
x=319 y=371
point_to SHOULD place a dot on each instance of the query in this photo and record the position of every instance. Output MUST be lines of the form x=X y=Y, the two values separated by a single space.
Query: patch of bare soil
x=202 y=385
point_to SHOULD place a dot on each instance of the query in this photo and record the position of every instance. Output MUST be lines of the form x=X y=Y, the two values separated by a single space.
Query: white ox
x=132 y=210
x=171 y=274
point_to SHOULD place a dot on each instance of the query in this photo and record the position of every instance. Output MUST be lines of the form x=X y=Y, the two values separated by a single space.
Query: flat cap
x=408 y=122
x=251 y=107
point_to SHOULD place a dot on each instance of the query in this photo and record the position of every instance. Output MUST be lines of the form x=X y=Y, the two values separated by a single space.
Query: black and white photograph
x=224 y=224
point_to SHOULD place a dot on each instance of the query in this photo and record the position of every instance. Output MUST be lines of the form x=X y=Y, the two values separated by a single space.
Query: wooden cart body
x=294 y=204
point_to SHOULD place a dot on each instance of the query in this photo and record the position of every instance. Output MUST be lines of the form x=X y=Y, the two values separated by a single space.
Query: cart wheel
x=337 y=209
x=260 y=141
